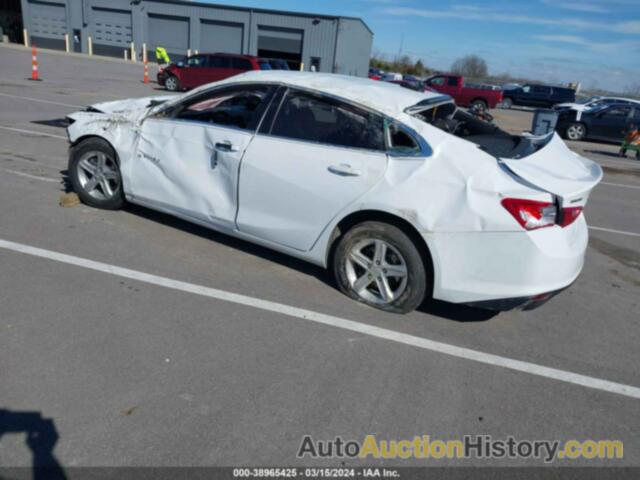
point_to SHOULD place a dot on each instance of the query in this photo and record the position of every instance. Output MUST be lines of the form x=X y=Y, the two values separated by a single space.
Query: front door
x=193 y=73
x=612 y=123
x=314 y=159
x=187 y=158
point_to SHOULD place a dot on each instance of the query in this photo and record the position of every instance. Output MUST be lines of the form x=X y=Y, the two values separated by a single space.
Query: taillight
x=569 y=215
x=531 y=214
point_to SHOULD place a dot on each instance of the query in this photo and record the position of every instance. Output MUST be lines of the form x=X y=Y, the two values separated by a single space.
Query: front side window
x=452 y=82
x=438 y=81
x=198 y=61
x=311 y=118
x=617 y=112
x=235 y=107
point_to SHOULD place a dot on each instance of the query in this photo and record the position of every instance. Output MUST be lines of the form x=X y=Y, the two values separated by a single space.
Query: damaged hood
x=558 y=170
x=131 y=105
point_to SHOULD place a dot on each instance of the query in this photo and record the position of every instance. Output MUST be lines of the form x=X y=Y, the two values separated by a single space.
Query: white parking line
x=610 y=230
x=311 y=316
x=39 y=100
x=620 y=185
x=21 y=130
x=32 y=177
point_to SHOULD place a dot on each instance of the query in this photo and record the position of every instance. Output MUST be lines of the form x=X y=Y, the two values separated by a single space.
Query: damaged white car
x=399 y=193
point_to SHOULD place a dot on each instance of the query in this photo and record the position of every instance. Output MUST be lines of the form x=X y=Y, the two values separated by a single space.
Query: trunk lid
x=559 y=171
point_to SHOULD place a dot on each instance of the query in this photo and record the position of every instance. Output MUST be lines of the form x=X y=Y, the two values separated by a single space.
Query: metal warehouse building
x=331 y=44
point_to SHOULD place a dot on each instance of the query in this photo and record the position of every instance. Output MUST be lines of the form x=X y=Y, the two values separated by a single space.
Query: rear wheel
x=576 y=131
x=95 y=174
x=172 y=83
x=378 y=264
x=507 y=103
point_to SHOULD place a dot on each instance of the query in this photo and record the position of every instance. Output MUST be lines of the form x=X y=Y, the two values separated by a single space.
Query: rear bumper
x=160 y=77
x=521 y=303
x=505 y=270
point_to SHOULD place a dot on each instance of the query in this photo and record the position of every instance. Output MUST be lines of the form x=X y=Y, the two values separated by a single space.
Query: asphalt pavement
x=138 y=370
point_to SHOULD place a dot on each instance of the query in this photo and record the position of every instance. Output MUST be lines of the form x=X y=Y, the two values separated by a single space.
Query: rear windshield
x=487 y=136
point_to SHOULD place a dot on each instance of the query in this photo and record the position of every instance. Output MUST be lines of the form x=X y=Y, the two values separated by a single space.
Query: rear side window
x=241 y=64
x=306 y=117
x=219 y=62
x=452 y=81
x=238 y=107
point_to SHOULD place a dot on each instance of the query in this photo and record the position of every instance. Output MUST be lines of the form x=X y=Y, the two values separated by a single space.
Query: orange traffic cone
x=146 y=72
x=34 y=64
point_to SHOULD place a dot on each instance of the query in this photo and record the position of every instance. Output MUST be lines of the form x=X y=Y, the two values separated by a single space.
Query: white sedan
x=399 y=193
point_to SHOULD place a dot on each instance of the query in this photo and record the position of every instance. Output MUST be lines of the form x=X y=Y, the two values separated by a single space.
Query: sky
x=596 y=42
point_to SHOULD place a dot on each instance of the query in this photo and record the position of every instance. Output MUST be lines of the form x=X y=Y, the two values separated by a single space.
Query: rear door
x=218 y=68
x=316 y=157
x=187 y=158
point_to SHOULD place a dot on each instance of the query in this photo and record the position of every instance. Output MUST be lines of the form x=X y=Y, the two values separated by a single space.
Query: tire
x=480 y=104
x=575 y=131
x=507 y=103
x=172 y=83
x=95 y=176
x=374 y=257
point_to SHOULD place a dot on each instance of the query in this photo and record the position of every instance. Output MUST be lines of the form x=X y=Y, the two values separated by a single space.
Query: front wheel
x=378 y=264
x=95 y=174
x=576 y=131
x=507 y=103
x=172 y=83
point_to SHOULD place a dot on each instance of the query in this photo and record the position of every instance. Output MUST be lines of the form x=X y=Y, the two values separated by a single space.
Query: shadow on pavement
x=456 y=311
x=451 y=311
x=41 y=438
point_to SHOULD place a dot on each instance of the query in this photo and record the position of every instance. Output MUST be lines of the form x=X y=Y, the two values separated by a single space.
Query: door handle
x=344 y=170
x=227 y=147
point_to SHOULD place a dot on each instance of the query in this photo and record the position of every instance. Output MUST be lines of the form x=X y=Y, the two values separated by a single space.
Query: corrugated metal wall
x=180 y=25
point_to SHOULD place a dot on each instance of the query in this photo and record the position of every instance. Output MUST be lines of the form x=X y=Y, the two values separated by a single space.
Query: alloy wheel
x=575 y=132
x=376 y=271
x=98 y=175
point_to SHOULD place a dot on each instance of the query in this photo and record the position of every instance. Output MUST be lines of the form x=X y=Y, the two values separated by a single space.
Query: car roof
x=385 y=97
x=232 y=55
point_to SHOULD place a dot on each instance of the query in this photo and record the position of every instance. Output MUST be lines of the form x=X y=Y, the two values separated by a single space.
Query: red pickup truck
x=466 y=96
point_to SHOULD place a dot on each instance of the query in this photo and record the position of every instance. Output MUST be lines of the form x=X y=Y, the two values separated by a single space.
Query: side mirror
x=180 y=64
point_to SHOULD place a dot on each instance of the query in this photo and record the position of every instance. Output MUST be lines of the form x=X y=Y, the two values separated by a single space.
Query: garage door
x=280 y=40
x=169 y=32
x=111 y=27
x=48 y=23
x=221 y=37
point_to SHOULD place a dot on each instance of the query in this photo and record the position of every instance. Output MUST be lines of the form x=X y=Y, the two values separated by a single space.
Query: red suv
x=196 y=70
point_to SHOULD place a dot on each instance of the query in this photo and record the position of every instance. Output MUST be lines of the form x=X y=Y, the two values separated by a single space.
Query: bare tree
x=470 y=66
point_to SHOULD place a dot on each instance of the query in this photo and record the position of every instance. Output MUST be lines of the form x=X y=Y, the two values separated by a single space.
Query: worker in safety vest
x=631 y=142
x=162 y=57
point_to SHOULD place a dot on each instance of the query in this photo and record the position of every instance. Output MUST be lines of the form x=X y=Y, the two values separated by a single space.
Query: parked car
x=376 y=74
x=592 y=102
x=413 y=85
x=603 y=122
x=276 y=64
x=454 y=86
x=203 y=68
x=538 y=96
x=399 y=193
